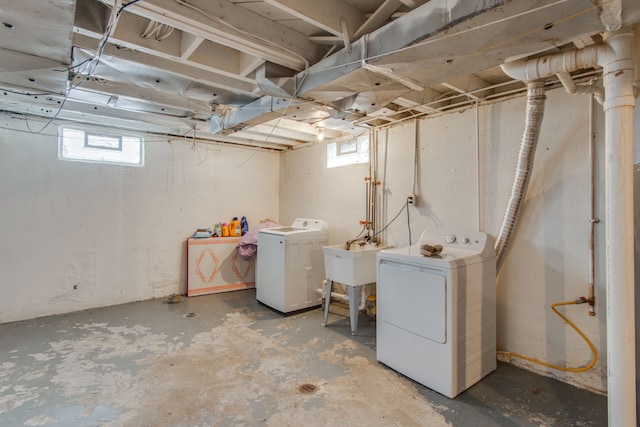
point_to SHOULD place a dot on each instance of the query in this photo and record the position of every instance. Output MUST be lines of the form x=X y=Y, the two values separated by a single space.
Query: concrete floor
x=226 y=360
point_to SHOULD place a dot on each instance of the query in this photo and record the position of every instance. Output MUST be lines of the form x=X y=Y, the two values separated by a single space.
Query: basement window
x=99 y=146
x=348 y=152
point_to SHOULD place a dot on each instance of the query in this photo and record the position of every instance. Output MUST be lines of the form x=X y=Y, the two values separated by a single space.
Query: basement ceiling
x=272 y=74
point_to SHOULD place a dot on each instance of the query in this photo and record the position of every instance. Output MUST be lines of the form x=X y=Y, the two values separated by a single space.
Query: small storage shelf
x=213 y=266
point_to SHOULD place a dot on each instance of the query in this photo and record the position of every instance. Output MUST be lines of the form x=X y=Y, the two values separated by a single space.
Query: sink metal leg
x=354 y=303
x=327 y=299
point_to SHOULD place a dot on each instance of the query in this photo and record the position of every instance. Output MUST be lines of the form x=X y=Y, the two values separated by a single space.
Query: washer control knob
x=449 y=238
x=465 y=240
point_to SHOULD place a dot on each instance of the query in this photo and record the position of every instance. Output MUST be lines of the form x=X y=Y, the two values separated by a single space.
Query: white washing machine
x=290 y=265
x=436 y=316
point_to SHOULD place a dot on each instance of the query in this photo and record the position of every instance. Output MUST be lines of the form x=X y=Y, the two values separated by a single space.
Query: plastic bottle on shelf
x=225 y=229
x=244 y=225
x=234 y=227
x=217 y=230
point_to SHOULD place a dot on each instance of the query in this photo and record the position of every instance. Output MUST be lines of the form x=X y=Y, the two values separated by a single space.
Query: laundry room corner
x=466 y=166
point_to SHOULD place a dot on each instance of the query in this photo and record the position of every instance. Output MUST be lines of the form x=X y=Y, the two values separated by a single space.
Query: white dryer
x=290 y=265
x=436 y=316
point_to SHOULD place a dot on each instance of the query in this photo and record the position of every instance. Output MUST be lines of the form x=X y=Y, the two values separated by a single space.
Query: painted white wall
x=547 y=260
x=116 y=233
x=309 y=190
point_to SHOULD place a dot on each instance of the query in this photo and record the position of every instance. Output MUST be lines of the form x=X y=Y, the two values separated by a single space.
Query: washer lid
x=282 y=230
x=300 y=225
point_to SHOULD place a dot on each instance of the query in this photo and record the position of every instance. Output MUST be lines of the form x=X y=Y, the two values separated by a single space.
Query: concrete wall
x=547 y=261
x=78 y=235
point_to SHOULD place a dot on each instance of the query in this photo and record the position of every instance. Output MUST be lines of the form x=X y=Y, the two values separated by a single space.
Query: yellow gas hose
x=509 y=354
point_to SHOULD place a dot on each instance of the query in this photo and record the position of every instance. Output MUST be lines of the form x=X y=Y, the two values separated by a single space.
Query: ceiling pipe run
x=547 y=66
x=616 y=58
x=571 y=87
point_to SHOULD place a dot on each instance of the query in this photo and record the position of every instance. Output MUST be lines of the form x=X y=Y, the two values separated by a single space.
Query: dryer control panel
x=474 y=241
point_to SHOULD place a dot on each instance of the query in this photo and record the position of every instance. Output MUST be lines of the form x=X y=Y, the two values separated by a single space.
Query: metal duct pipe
x=533 y=122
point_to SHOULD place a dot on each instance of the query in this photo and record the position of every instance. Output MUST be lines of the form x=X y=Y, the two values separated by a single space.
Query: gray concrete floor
x=226 y=360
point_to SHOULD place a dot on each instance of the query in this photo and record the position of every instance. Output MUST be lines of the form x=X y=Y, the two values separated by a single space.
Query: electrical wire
x=94 y=60
x=93 y=63
x=157 y=30
x=594 y=359
x=405 y=206
x=16 y=92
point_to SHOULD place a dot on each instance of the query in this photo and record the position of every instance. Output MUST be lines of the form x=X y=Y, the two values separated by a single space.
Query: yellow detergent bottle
x=235 y=230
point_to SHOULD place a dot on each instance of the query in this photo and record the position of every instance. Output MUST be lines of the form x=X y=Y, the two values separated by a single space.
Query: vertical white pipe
x=618 y=107
x=478 y=206
x=592 y=214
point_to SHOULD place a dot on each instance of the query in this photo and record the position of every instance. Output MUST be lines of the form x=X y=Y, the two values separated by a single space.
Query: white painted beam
x=225 y=23
x=264 y=134
x=248 y=64
x=378 y=18
x=188 y=44
x=346 y=37
x=470 y=86
x=325 y=14
x=413 y=3
x=326 y=39
x=217 y=56
x=220 y=58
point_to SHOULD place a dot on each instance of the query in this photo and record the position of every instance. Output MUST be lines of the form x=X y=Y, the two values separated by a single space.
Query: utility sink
x=353 y=267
